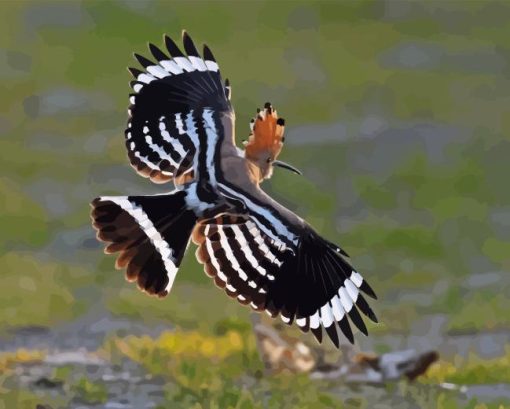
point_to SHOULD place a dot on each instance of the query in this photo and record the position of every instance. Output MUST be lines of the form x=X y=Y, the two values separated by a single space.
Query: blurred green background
x=398 y=113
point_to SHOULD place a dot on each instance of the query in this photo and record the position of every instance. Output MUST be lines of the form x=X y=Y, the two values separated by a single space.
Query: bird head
x=265 y=143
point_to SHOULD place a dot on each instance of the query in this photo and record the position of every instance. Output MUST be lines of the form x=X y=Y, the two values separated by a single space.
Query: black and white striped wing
x=313 y=284
x=176 y=108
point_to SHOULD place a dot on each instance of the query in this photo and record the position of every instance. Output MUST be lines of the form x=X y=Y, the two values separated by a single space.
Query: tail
x=151 y=233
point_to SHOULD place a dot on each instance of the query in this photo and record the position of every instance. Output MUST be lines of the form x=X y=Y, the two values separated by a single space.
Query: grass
x=482 y=305
x=48 y=285
x=179 y=356
x=20 y=356
x=233 y=377
x=23 y=398
x=182 y=308
x=223 y=383
x=27 y=396
x=471 y=370
x=23 y=220
x=26 y=399
x=89 y=392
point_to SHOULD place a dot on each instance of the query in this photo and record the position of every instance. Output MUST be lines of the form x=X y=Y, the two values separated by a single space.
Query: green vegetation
x=8 y=359
x=233 y=377
x=22 y=219
x=471 y=370
x=90 y=392
x=26 y=399
x=181 y=356
x=182 y=309
x=38 y=293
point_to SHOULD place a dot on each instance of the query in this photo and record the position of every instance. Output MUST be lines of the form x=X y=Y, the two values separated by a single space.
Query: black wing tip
x=144 y=62
x=333 y=335
x=306 y=327
x=172 y=48
x=135 y=72
x=344 y=326
x=365 y=287
x=157 y=53
x=317 y=333
x=362 y=304
x=208 y=55
x=357 y=320
x=189 y=45
x=371 y=315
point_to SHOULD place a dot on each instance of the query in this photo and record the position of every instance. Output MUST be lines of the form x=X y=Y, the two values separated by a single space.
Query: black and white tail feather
x=261 y=255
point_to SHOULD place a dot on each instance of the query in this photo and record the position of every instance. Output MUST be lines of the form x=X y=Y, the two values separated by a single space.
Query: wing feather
x=311 y=284
x=167 y=110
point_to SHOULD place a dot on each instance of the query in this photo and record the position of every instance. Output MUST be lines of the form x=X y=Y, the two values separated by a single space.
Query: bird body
x=181 y=128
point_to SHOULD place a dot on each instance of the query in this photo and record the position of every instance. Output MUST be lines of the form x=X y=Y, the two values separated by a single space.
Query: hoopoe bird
x=181 y=129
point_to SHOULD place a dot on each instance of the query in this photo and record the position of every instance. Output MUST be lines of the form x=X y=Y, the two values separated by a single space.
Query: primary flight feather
x=181 y=130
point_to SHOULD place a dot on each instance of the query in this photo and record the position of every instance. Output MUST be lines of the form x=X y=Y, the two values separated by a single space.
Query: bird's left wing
x=311 y=282
x=179 y=107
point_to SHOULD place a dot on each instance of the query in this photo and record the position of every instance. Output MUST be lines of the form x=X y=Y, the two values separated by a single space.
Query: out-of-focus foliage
x=472 y=370
x=40 y=291
x=23 y=220
x=90 y=392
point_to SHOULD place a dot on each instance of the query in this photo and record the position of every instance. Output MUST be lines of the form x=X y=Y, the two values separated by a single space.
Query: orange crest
x=266 y=136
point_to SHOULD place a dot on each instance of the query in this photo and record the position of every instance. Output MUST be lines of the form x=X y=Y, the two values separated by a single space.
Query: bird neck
x=254 y=172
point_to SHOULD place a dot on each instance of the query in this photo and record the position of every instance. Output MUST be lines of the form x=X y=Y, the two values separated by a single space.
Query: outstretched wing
x=179 y=106
x=311 y=282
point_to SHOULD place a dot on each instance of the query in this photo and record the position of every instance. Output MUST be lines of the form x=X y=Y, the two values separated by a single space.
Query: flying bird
x=181 y=129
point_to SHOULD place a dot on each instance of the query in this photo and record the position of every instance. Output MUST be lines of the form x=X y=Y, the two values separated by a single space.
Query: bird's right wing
x=312 y=283
x=179 y=107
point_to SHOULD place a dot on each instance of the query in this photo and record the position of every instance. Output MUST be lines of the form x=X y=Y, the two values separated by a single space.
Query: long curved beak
x=284 y=165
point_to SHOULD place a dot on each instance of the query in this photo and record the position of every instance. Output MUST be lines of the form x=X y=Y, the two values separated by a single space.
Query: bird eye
x=269 y=160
